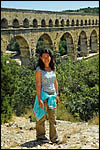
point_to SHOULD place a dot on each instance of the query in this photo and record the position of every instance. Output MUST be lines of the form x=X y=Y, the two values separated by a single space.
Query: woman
x=47 y=96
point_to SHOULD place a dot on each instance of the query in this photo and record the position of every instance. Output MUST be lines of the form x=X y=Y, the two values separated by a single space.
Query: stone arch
x=67 y=22
x=93 y=41
x=50 y=23
x=15 y=23
x=82 y=43
x=72 y=23
x=56 y=23
x=85 y=22
x=35 y=23
x=24 y=49
x=26 y=23
x=96 y=22
x=89 y=23
x=93 y=22
x=69 y=43
x=4 y=43
x=4 y=23
x=77 y=22
x=46 y=41
x=81 y=23
x=62 y=23
x=43 y=23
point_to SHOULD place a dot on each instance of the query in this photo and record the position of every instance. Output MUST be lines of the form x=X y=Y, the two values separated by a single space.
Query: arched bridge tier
x=28 y=26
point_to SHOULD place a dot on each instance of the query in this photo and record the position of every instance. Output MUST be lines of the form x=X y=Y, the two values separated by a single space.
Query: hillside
x=94 y=10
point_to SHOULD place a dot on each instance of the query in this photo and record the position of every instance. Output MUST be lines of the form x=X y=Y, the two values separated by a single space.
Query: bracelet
x=58 y=94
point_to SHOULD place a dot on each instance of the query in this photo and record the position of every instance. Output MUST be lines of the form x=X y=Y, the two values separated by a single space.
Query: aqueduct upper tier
x=28 y=26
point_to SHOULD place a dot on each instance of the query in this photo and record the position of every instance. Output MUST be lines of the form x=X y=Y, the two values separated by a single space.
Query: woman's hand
x=57 y=99
x=41 y=104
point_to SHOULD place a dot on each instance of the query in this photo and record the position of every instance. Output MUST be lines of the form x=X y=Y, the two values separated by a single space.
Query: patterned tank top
x=47 y=81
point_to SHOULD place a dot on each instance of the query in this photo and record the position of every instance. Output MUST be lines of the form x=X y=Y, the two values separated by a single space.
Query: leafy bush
x=17 y=88
x=62 y=47
x=79 y=81
x=33 y=62
x=6 y=110
x=25 y=92
x=8 y=86
x=78 y=85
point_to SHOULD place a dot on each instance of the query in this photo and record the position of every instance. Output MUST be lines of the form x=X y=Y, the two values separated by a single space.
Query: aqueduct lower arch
x=47 y=41
x=93 y=41
x=83 y=35
x=88 y=41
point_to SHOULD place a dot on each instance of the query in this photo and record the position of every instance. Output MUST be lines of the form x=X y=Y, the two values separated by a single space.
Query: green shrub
x=78 y=85
x=6 y=110
x=8 y=86
x=25 y=93
x=17 y=88
x=79 y=81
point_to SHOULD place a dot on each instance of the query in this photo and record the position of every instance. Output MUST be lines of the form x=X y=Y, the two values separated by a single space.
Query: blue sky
x=49 y=5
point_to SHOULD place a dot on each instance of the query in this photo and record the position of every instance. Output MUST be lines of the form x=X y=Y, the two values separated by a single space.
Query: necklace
x=47 y=69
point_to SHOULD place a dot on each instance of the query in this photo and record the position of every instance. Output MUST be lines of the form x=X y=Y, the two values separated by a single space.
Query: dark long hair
x=51 y=64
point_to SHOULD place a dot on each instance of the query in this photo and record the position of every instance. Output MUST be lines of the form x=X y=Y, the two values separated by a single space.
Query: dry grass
x=63 y=114
x=27 y=115
x=94 y=120
x=30 y=115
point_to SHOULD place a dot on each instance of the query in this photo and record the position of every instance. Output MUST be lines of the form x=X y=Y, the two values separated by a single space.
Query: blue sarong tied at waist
x=37 y=110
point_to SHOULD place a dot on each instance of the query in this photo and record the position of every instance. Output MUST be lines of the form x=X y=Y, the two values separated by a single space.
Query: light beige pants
x=40 y=125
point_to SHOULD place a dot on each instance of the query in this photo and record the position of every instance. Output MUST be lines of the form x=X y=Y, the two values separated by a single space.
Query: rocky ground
x=21 y=134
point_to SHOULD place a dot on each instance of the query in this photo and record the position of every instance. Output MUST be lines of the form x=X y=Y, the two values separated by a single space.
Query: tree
x=63 y=46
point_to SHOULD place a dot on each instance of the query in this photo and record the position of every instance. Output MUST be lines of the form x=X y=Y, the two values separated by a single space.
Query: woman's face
x=45 y=58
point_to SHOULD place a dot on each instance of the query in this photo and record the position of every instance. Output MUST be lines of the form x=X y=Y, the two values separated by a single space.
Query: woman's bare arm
x=38 y=87
x=56 y=87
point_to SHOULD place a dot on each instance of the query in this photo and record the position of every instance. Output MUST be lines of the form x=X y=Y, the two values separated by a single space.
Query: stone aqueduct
x=27 y=26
